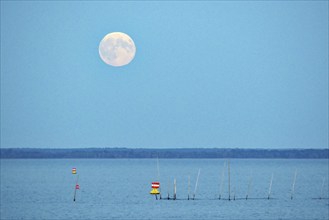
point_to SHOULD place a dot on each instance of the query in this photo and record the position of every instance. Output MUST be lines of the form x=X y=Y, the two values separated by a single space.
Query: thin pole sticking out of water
x=168 y=188
x=158 y=176
x=249 y=185
x=322 y=188
x=189 y=186
x=293 y=186
x=175 y=190
x=196 y=184
x=270 y=188
x=229 y=181
x=221 y=182
x=75 y=188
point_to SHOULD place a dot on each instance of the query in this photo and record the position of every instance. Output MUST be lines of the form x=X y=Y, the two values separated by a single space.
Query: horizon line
x=174 y=148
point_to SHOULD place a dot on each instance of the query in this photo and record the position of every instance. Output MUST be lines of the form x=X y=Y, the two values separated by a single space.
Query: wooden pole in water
x=293 y=185
x=168 y=189
x=188 y=188
x=75 y=188
x=196 y=184
x=229 y=181
x=221 y=182
x=322 y=188
x=175 y=190
x=270 y=188
x=249 y=186
x=159 y=176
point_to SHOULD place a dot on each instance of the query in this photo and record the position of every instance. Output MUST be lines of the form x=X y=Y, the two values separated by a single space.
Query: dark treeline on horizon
x=16 y=153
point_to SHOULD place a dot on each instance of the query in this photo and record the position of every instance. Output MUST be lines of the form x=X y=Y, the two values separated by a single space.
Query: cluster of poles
x=175 y=190
x=230 y=197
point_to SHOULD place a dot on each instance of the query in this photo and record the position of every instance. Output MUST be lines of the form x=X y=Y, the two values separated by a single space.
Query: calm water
x=119 y=188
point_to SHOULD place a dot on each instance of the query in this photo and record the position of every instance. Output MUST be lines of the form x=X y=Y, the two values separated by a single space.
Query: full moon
x=117 y=49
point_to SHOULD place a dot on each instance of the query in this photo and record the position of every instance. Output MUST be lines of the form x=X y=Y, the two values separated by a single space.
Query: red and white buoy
x=155 y=185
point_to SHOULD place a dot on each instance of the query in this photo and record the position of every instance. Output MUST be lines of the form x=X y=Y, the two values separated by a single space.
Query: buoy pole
x=75 y=188
x=75 y=192
x=196 y=184
x=293 y=185
x=270 y=188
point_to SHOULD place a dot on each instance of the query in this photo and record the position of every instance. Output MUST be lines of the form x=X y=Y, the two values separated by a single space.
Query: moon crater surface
x=117 y=49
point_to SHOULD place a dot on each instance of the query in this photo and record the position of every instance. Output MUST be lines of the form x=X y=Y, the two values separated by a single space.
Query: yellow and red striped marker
x=155 y=186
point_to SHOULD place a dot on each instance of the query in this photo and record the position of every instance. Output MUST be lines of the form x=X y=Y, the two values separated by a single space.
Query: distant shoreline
x=175 y=153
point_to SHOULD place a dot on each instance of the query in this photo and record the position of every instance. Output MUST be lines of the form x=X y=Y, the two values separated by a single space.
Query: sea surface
x=119 y=189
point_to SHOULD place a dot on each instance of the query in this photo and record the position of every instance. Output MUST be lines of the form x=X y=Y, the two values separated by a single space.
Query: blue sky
x=245 y=74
